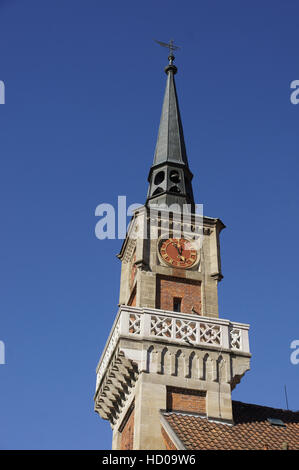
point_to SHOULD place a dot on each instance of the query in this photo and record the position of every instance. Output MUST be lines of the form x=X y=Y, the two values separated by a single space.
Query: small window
x=177 y=304
x=276 y=422
x=159 y=177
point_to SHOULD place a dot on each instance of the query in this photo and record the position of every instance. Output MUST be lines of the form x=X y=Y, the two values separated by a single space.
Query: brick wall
x=167 y=441
x=186 y=400
x=188 y=290
x=133 y=271
x=127 y=431
x=133 y=296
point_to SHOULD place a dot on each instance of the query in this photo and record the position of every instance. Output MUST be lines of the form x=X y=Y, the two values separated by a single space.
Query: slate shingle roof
x=251 y=429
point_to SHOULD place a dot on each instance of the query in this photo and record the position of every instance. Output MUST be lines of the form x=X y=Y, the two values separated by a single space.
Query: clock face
x=178 y=252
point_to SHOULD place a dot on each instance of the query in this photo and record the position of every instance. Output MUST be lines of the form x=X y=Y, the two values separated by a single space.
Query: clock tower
x=168 y=349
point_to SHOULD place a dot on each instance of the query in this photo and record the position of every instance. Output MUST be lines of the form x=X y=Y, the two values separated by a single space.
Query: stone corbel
x=216 y=276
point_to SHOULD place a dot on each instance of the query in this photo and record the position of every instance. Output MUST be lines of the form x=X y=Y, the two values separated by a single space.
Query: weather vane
x=169 y=45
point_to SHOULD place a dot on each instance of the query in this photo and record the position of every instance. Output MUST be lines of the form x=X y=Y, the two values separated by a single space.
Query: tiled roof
x=251 y=429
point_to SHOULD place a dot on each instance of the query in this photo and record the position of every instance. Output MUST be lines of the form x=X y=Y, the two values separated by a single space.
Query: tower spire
x=170 y=176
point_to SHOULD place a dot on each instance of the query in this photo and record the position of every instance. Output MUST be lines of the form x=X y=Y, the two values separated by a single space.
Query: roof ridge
x=237 y=402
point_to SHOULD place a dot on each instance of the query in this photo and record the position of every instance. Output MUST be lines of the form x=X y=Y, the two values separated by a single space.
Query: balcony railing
x=179 y=328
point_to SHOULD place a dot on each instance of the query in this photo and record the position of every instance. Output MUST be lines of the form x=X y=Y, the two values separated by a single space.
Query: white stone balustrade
x=176 y=328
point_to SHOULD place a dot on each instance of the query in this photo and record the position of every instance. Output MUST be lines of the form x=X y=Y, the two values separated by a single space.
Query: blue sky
x=84 y=87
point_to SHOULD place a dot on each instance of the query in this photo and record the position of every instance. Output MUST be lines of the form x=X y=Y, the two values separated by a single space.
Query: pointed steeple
x=170 y=177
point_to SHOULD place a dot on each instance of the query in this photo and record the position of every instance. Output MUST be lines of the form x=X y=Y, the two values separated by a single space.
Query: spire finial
x=170 y=45
x=170 y=177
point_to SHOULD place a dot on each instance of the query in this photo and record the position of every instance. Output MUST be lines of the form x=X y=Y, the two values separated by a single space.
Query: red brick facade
x=186 y=400
x=132 y=300
x=127 y=432
x=133 y=271
x=167 y=441
x=189 y=291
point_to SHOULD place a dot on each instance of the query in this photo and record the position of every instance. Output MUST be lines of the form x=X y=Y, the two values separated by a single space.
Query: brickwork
x=133 y=271
x=133 y=296
x=188 y=290
x=186 y=400
x=167 y=441
x=127 y=432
